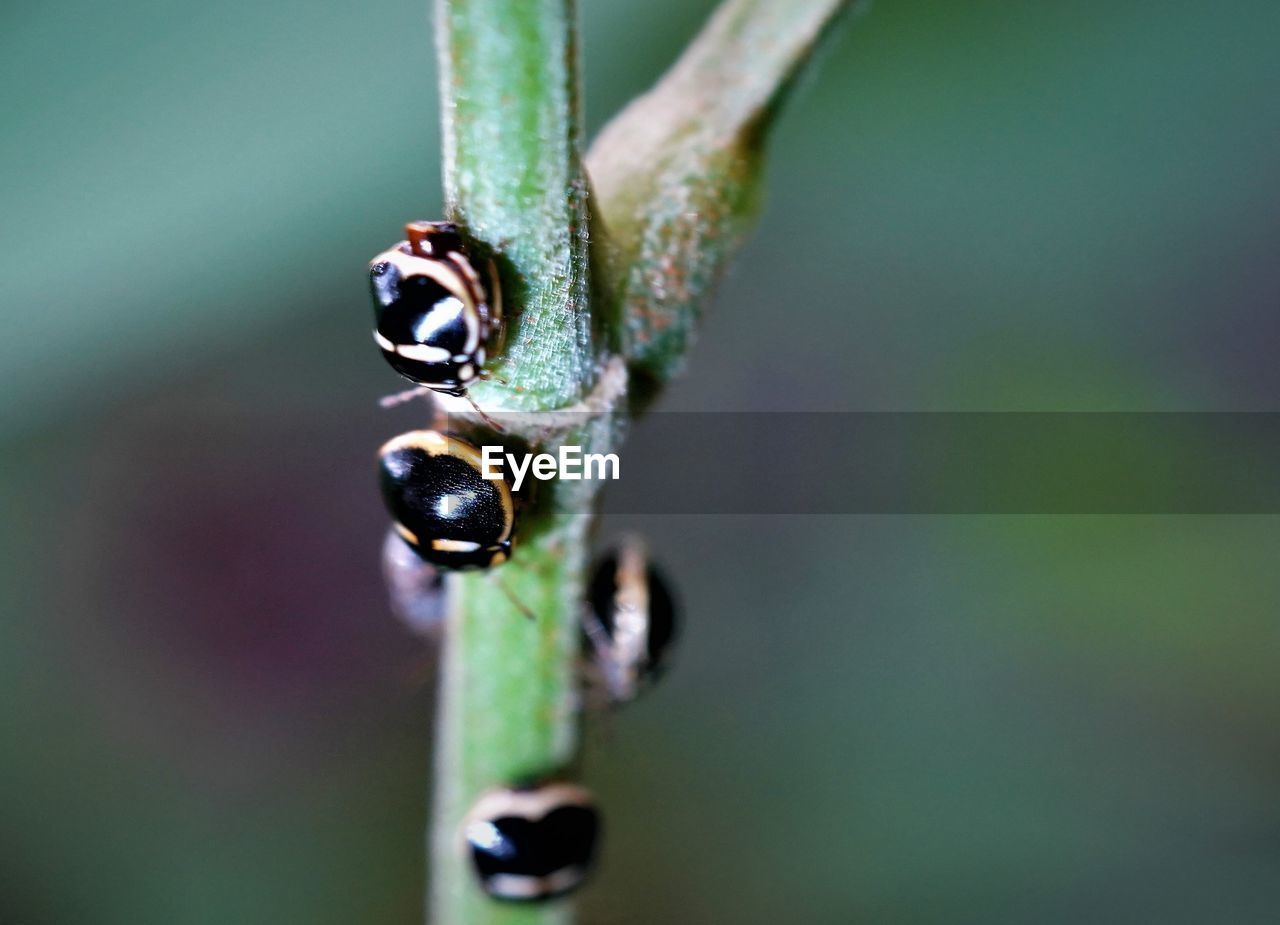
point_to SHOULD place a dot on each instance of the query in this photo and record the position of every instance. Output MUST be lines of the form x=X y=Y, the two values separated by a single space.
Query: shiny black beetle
x=529 y=844
x=441 y=504
x=435 y=312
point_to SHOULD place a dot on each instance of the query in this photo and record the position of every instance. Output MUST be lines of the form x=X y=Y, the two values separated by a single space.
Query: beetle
x=441 y=504
x=532 y=843
x=435 y=312
x=629 y=620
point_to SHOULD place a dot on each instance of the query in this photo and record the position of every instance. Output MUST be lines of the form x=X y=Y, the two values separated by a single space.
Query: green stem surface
x=514 y=182
x=678 y=175
x=513 y=179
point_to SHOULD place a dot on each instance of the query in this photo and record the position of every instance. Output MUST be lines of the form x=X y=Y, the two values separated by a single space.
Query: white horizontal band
x=521 y=886
x=454 y=545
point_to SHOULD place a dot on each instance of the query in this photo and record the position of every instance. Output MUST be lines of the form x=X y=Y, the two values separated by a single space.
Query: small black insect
x=630 y=620
x=435 y=312
x=532 y=843
x=440 y=502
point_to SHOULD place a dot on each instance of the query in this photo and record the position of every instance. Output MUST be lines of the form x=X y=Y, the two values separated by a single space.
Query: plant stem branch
x=513 y=181
x=678 y=176
x=678 y=172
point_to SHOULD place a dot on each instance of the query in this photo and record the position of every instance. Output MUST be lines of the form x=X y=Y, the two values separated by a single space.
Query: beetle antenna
x=439 y=418
x=519 y=604
x=484 y=417
x=400 y=398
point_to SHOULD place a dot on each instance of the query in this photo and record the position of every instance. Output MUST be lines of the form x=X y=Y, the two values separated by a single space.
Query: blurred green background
x=209 y=715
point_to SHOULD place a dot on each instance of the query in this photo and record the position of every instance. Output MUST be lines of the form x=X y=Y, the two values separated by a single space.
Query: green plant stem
x=677 y=173
x=508 y=710
x=513 y=180
x=678 y=176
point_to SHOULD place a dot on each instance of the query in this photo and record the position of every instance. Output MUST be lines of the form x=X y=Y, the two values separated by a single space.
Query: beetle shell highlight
x=434 y=312
x=441 y=504
x=532 y=844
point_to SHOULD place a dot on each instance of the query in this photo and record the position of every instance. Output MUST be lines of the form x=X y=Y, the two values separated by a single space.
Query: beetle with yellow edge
x=441 y=504
x=435 y=312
